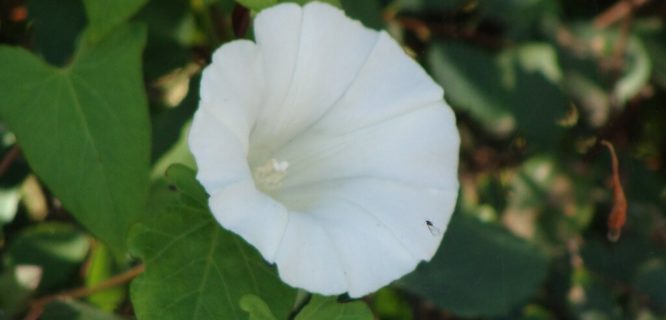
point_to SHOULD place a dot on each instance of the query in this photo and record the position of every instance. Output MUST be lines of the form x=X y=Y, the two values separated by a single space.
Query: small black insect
x=433 y=230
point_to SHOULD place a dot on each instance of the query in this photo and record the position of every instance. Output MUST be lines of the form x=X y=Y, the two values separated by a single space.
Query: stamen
x=269 y=176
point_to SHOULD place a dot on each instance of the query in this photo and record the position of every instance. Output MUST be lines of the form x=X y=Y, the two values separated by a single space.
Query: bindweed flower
x=327 y=148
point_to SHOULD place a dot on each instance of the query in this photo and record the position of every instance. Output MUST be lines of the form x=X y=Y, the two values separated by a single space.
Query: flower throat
x=268 y=176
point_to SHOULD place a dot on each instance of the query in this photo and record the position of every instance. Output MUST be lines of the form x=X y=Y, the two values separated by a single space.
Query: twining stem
x=618 y=215
x=37 y=307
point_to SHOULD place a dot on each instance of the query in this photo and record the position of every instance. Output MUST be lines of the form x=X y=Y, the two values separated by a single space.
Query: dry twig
x=618 y=215
x=37 y=307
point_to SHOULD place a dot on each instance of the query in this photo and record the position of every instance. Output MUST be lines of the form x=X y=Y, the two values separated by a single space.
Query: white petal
x=330 y=51
x=308 y=259
x=370 y=254
x=231 y=87
x=405 y=211
x=364 y=151
x=218 y=152
x=253 y=215
x=277 y=32
x=419 y=148
x=389 y=85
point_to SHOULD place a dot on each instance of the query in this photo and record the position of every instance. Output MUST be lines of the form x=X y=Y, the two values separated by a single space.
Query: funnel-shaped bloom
x=327 y=148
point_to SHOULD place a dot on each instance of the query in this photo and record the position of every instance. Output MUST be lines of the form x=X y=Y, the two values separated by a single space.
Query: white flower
x=327 y=148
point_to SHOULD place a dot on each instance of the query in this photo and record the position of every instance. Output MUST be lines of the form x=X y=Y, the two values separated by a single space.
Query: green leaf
x=74 y=310
x=548 y=203
x=651 y=281
x=472 y=83
x=257 y=5
x=178 y=154
x=391 y=303
x=655 y=45
x=518 y=18
x=368 y=11
x=168 y=126
x=335 y=3
x=84 y=129
x=256 y=307
x=620 y=260
x=171 y=28
x=57 y=248
x=636 y=73
x=502 y=91
x=589 y=298
x=479 y=270
x=327 y=308
x=102 y=266
x=430 y=5
x=182 y=179
x=194 y=268
x=17 y=283
x=105 y=15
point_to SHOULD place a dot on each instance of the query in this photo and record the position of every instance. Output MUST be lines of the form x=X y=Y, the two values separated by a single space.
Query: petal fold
x=330 y=51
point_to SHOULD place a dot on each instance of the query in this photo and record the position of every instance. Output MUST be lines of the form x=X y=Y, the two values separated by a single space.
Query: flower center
x=268 y=176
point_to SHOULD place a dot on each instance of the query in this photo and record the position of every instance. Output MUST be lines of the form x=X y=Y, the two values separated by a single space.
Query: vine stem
x=37 y=307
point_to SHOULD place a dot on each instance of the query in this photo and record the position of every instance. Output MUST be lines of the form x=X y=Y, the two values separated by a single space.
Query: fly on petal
x=436 y=232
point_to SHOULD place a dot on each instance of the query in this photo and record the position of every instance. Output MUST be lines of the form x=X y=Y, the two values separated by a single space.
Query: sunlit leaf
x=637 y=70
x=9 y=199
x=102 y=266
x=55 y=247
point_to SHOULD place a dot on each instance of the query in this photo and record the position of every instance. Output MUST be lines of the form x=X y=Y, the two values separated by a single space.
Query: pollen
x=268 y=176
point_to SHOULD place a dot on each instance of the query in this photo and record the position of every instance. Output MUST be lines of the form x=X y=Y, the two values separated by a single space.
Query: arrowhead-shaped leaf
x=195 y=269
x=84 y=128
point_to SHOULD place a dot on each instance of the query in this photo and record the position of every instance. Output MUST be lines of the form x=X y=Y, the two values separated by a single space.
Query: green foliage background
x=95 y=100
